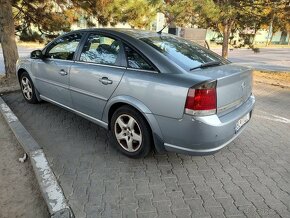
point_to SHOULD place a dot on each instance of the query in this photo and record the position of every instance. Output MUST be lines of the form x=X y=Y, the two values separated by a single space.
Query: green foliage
x=177 y=12
x=44 y=16
x=29 y=36
x=137 y=13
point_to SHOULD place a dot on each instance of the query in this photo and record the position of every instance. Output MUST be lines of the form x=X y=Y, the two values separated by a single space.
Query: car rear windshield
x=185 y=53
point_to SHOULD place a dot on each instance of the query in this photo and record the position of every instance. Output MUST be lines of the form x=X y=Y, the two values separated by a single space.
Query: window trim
x=142 y=55
x=121 y=51
x=49 y=45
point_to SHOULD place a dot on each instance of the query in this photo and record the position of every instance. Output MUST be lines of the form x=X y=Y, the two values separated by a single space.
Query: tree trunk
x=226 y=36
x=270 y=34
x=7 y=34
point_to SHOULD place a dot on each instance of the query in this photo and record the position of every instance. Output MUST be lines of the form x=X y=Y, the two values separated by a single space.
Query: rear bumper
x=203 y=135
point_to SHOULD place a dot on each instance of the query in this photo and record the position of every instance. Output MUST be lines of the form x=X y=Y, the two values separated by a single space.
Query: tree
x=176 y=12
x=137 y=13
x=7 y=34
x=20 y=15
x=221 y=15
x=277 y=17
x=47 y=17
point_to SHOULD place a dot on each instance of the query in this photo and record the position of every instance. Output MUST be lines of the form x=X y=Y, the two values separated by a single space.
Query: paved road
x=273 y=59
x=248 y=178
x=19 y=194
x=268 y=59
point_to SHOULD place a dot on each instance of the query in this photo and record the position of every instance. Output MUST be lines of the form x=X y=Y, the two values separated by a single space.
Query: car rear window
x=183 y=52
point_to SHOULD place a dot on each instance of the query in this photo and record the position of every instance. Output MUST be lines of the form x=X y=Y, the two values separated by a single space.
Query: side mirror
x=36 y=54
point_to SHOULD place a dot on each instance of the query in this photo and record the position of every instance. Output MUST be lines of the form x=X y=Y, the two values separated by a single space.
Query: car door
x=96 y=73
x=52 y=73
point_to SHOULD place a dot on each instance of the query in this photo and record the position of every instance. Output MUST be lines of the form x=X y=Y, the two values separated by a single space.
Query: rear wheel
x=27 y=88
x=132 y=134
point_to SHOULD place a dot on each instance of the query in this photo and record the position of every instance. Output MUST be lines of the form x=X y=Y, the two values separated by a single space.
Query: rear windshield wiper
x=208 y=64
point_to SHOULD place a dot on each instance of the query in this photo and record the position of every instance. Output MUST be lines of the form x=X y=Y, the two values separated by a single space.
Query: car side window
x=64 y=48
x=136 y=61
x=101 y=50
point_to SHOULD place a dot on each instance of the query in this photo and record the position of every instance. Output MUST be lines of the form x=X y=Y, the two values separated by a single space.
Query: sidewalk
x=19 y=191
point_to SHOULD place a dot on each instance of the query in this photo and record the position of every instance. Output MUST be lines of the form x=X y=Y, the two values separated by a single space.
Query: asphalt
x=268 y=59
x=248 y=178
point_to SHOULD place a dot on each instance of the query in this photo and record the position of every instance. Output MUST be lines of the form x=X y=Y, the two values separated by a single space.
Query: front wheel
x=131 y=132
x=27 y=88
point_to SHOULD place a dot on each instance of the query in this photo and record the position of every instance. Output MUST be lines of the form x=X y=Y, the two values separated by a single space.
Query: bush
x=29 y=36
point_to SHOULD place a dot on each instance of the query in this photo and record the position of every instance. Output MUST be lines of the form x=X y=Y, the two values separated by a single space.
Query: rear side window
x=101 y=50
x=64 y=48
x=136 y=61
x=183 y=52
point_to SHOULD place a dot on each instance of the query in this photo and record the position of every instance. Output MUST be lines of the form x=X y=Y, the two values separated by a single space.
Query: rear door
x=96 y=73
x=53 y=71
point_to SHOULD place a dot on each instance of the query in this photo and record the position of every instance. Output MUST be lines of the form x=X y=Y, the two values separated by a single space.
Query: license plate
x=242 y=121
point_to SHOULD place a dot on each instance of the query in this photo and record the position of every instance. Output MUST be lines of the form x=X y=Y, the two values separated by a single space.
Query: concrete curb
x=51 y=190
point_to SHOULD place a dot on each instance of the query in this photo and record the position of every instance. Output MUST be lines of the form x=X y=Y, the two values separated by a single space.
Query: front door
x=96 y=74
x=52 y=73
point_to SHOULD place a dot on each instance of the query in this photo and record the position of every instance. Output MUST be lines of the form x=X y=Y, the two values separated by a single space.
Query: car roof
x=135 y=33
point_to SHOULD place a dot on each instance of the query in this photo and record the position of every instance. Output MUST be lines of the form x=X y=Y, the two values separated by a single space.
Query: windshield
x=185 y=53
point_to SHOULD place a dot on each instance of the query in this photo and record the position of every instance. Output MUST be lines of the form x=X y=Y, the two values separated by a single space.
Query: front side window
x=183 y=52
x=101 y=50
x=136 y=61
x=64 y=48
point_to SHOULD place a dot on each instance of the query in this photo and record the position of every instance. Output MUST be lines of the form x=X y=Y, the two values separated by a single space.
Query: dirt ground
x=281 y=79
x=8 y=85
x=19 y=192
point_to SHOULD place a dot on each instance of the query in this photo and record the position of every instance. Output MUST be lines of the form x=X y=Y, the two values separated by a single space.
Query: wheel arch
x=120 y=101
x=20 y=71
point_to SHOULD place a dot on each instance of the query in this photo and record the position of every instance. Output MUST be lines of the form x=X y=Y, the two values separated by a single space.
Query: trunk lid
x=234 y=85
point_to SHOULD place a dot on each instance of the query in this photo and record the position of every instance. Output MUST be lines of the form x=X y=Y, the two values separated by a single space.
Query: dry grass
x=8 y=84
x=216 y=46
x=274 y=78
x=30 y=44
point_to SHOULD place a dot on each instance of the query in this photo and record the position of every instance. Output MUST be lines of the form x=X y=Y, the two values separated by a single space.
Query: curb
x=50 y=189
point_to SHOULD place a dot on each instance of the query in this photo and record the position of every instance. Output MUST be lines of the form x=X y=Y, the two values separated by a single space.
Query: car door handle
x=62 y=72
x=105 y=80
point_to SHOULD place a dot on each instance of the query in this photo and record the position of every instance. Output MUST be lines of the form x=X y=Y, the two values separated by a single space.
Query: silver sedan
x=151 y=90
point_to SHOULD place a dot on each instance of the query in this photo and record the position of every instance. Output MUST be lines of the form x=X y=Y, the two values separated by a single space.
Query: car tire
x=131 y=132
x=27 y=88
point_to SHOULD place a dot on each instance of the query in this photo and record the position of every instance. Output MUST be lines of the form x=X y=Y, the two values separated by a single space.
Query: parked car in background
x=151 y=90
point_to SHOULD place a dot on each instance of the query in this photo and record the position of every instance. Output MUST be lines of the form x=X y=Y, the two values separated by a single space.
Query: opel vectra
x=151 y=90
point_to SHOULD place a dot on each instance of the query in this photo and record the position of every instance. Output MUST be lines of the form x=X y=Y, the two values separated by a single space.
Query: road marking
x=272 y=117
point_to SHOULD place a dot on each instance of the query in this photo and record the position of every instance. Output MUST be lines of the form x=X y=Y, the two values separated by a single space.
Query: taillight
x=202 y=100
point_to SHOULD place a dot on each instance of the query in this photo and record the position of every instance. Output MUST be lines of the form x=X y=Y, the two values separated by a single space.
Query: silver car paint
x=160 y=96
x=89 y=95
x=50 y=81
x=190 y=135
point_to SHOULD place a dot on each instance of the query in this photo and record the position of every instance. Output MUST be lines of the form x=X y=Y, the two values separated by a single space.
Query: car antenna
x=166 y=25
x=160 y=31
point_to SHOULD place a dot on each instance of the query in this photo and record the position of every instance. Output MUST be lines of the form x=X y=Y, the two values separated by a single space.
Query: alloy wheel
x=26 y=88
x=128 y=133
